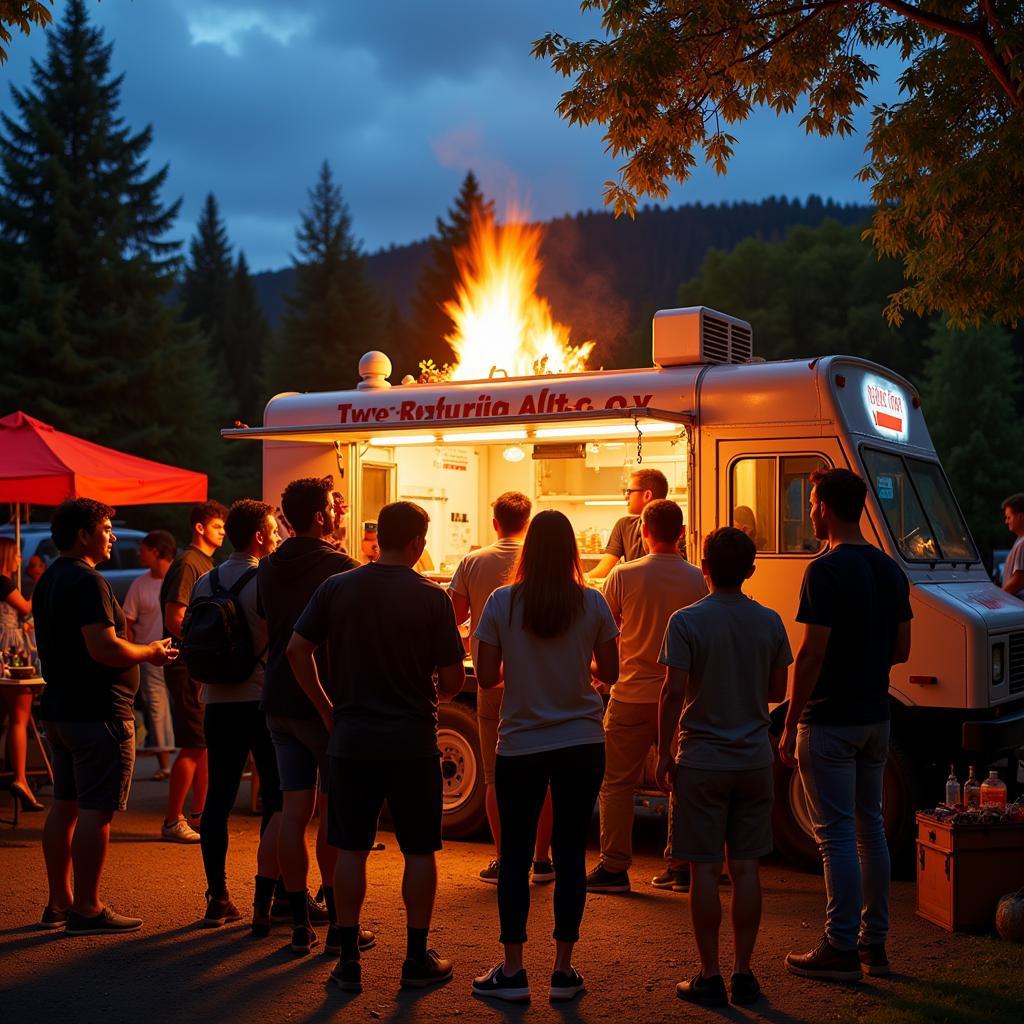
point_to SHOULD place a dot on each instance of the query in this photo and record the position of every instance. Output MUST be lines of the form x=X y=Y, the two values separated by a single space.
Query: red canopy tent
x=43 y=466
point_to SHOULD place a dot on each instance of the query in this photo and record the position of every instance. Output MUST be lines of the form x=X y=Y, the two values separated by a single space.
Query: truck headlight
x=997 y=664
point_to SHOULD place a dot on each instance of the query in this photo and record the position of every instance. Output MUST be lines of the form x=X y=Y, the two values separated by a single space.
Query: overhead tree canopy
x=945 y=162
x=22 y=15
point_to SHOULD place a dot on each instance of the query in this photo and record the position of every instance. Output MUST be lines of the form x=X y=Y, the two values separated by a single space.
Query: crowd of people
x=328 y=673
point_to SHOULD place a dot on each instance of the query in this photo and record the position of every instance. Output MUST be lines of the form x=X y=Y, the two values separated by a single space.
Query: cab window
x=754 y=500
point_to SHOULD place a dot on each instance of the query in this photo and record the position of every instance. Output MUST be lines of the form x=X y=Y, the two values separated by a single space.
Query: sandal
x=160 y=775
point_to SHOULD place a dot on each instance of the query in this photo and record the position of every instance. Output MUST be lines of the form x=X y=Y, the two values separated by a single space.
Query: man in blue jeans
x=855 y=605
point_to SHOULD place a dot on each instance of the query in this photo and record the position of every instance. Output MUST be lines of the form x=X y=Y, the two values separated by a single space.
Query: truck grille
x=1016 y=666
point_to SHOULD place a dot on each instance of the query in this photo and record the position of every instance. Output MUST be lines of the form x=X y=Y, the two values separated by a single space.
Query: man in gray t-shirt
x=1013 y=571
x=726 y=659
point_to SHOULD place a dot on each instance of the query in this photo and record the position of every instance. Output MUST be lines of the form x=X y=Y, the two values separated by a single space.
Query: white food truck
x=737 y=439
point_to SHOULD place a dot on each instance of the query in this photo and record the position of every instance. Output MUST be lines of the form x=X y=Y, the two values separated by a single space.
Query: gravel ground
x=634 y=950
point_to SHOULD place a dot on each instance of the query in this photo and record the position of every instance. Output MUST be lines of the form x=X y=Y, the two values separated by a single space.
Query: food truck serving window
x=919 y=508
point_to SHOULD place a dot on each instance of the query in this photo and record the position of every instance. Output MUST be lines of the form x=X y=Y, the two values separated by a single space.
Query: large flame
x=501 y=324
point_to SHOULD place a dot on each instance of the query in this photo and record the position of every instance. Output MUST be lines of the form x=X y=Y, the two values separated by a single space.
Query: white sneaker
x=180 y=832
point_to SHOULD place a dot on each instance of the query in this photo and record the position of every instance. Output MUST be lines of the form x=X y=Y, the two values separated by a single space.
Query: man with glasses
x=626 y=542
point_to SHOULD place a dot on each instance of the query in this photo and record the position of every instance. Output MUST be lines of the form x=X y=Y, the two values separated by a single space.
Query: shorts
x=300 y=746
x=93 y=762
x=713 y=809
x=186 y=707
x=358 y=788
x=488 y=715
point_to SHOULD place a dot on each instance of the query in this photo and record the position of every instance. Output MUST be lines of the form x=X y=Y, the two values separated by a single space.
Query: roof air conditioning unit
x=700 y=335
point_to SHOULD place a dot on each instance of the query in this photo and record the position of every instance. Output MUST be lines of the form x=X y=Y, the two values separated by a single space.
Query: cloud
x=227 y=27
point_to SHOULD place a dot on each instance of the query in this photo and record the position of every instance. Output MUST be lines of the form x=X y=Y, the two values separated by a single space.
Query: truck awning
x=481 y=429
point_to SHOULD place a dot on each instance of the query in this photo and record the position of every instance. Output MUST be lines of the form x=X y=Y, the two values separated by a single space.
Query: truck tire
x=458 y=739
x=791 y=822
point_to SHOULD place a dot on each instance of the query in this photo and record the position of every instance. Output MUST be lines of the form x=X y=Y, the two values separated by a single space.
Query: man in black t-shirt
x=855 y=605
x=91 y=675
x=387 y=631
x=190 y=766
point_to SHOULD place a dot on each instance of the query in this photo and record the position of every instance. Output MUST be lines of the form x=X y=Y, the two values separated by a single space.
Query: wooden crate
x=963 y=870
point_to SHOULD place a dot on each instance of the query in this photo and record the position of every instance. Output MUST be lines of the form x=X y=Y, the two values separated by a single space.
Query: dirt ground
x=634 y=950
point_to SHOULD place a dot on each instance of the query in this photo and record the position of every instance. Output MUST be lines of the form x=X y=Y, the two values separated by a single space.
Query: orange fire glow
x=501 y=324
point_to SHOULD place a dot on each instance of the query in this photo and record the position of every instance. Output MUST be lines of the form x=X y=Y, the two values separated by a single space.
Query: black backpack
x=216 y=644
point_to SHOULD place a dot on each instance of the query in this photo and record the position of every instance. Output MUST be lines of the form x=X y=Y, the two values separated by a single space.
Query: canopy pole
x=17 y=541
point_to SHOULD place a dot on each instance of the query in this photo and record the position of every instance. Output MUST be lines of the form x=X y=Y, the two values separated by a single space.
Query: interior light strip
x=390 y=441
x=486 y=435
x=611 y=430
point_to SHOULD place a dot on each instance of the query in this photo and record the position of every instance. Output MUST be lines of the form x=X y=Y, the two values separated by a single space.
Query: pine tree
x=88 y=340
x=207 y=277
x=245 y=339
x=436 y=284
x=332 y=315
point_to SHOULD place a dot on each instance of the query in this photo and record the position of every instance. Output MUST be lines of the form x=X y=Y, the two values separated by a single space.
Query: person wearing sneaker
x=91 y=679
x=287 y=580
x=642 y=595
x=855 y=606
x=726 y=660
x=479 y=574
x=234 y=724
x=382 y=717
x=540 y=635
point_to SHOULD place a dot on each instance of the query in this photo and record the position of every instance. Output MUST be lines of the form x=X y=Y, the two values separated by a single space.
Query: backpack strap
x=235 y=592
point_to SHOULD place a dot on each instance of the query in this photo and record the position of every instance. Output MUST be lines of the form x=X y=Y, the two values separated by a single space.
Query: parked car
x=120 y=569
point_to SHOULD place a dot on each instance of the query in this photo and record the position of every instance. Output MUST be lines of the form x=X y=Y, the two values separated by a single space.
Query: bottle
x=972 y=790
x=952 y=788
x=993 y=792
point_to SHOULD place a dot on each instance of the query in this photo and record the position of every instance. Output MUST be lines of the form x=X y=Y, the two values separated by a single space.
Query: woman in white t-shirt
x=145 y=624
x=539 y=636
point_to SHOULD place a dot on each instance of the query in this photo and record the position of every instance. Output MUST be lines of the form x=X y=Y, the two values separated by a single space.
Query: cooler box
x=963 y=870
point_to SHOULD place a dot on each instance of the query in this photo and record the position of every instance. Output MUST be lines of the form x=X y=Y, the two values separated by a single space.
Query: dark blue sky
x=247 y=97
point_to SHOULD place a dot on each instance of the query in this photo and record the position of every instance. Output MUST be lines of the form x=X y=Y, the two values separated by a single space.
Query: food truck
x=737 y=439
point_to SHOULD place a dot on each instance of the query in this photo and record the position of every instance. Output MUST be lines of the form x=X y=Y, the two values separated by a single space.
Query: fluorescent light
x=486 y=435
x=397 y=439
x=617 y=502
x=611 y=430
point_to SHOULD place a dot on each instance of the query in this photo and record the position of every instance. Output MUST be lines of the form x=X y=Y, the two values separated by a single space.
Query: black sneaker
x=682 y=881
x=317 y=911
x=704 y=991
x=744 y=989
x=671 y=877
x=565 y=985
x=825 y=961
x=600 y=879
x=872 y=958
x=106 y=922
x=421 y=973
x=53 y=918
x=281 y=910
x=490 y=873
x=219 y=910
x=348 y=975
x=332 y=944
x=303 y=940
x=496 y=984
x=543 y=872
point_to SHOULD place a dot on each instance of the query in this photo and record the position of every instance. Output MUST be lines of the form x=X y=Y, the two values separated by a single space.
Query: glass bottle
x=993 y=792
x=952 y=788
x=972 y=790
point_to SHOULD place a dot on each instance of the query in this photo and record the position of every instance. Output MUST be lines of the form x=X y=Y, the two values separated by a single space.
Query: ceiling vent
x=700 y=335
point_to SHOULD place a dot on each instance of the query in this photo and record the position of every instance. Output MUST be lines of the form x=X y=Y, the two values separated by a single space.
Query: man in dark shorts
x=287 y=580
x=387 y=631
x=190 y=767
x=626 y=543
x=727 y=658
x=92 y=676
x=855 y=605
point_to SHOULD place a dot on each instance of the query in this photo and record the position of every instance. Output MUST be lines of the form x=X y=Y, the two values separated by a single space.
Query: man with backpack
x=224 y=645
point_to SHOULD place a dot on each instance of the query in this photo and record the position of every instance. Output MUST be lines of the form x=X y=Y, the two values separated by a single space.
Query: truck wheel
x=791 y=820
x=458 y=739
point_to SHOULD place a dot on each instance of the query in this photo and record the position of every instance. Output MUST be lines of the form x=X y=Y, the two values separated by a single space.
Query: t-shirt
x=229 y=574
x=387 y=629
x=729 y=644
x=1015 y=561
x=863 y=596
x=69 y=595
x=6 y=586
x=479 y=574
x=626 y=541
x=287 y=579
x=642 y=595
x=549 y=702
x=142 y=606
x=182 y=575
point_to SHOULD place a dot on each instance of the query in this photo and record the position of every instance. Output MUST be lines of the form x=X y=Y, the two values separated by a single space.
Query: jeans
x=158 y=706
x=574 y=775
x=232 y=731
x=841 y=767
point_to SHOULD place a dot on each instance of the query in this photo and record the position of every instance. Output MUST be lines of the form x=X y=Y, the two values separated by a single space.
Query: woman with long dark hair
x=540 y=635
